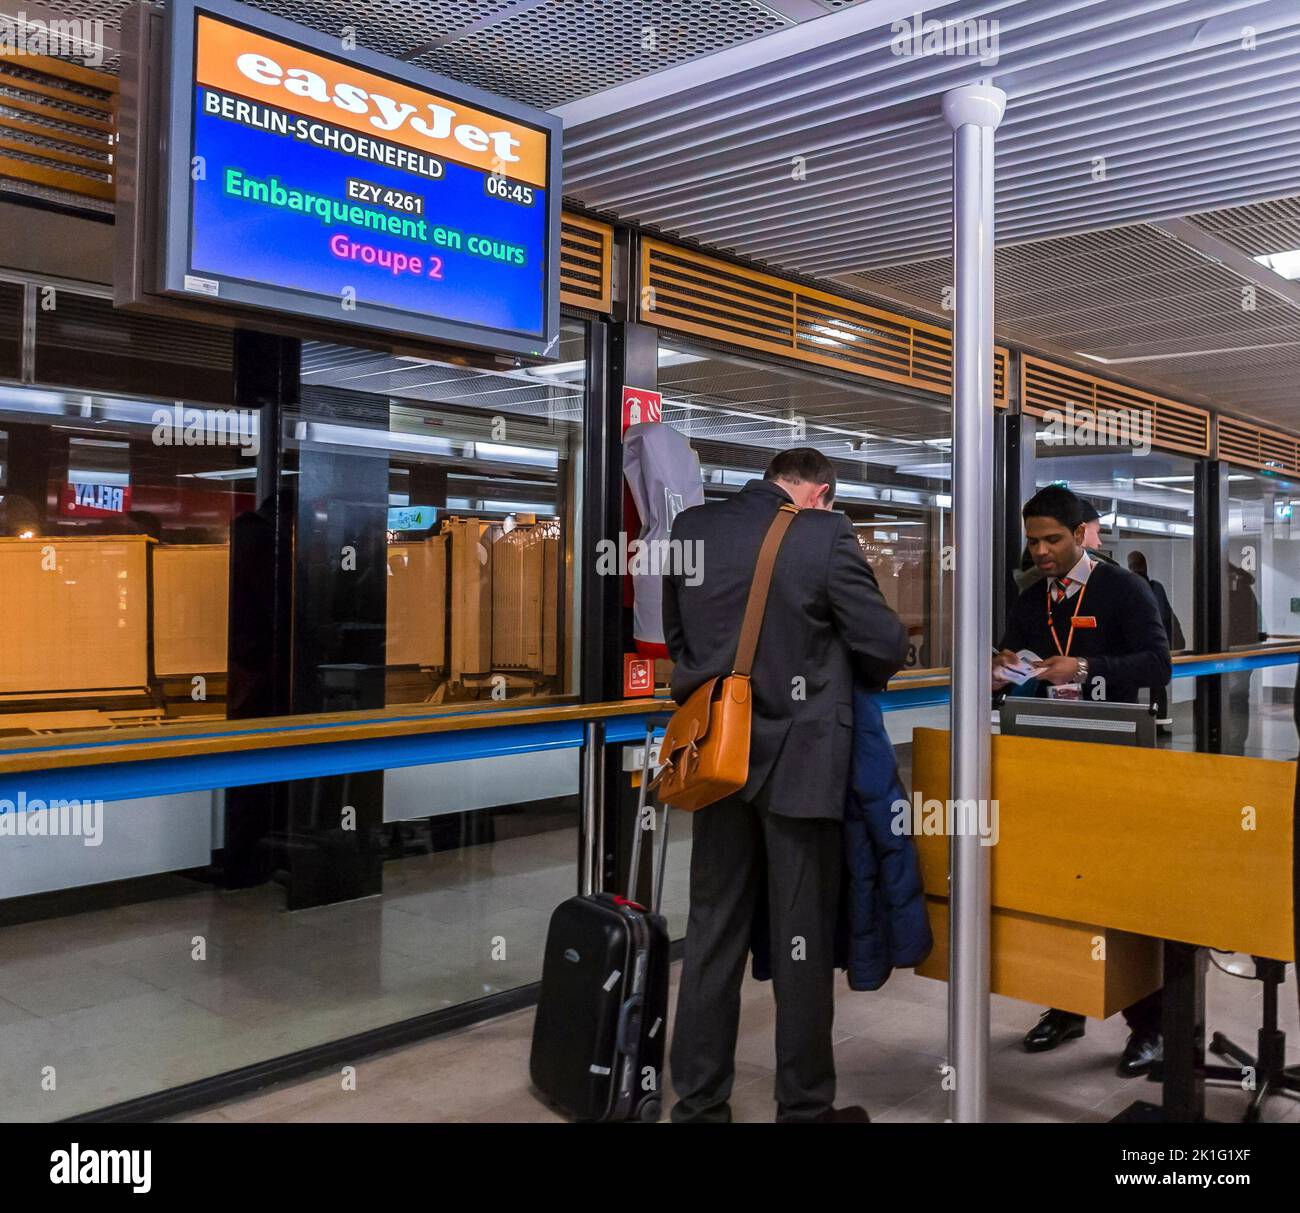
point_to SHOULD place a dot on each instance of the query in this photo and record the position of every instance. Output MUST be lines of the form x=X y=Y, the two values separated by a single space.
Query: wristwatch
x=1083 y=668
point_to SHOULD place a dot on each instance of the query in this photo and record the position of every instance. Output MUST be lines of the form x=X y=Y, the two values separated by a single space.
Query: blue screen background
x=240 y=238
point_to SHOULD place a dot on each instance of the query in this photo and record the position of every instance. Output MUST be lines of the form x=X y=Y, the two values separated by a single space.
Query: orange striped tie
x=1058 y=590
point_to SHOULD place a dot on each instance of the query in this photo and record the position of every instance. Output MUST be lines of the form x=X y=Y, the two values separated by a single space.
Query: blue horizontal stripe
x=201 y=772
x=241 y=768
x=1233 y=665
x=632 y=728
x=916 y=697
x=924 y=697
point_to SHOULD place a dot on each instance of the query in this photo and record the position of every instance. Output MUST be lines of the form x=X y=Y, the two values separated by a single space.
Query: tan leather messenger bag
x=705 y=750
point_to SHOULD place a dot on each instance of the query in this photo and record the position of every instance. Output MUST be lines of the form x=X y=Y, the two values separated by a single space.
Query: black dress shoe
x=1053 y=1028
x=1141 y=1053
x=852 y=1115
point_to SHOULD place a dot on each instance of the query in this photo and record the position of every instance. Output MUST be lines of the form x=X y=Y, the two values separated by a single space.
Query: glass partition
x=1263 y=576
x=189 y=979
x=114 y=550
x=476 y=474
x=891 y=452
x=1146 y=503
x=116 y=513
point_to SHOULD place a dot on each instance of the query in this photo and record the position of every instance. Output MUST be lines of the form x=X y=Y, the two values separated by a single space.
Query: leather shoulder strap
x=756 y=604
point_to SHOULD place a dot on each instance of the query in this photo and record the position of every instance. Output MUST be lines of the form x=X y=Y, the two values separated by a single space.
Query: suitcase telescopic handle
x=661 y=850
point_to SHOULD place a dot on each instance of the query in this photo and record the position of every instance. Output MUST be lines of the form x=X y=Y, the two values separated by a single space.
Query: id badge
x=1067 y=690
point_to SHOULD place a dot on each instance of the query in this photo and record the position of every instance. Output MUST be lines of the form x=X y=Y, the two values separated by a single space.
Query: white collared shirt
x=1077 y=578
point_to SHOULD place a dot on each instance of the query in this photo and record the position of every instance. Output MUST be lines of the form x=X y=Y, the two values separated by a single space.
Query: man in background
x=1245 y=629
x=1137 y=564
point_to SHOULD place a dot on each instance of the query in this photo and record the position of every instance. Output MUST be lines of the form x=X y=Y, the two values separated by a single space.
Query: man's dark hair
x=1137 y=563
x=803 y=465
x=1055 y=501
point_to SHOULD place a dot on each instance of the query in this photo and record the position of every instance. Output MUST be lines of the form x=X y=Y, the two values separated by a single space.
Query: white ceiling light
x=500 y=452
x=668 y=357
x=359 y=436
x=1285 y=264
x=556 y=370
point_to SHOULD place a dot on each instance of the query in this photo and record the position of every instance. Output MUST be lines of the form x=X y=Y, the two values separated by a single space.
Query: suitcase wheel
x=649 y=1111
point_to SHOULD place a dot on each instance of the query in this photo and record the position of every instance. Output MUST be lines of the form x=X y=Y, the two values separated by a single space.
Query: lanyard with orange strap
x=1051 y=623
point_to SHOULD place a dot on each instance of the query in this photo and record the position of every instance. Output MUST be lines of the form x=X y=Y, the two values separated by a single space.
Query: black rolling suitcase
x=598 y=1040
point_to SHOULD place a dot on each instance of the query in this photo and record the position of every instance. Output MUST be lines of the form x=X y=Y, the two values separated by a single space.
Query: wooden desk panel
x=417 y=603
x=1146 y=841
x=1069 y=965
x=470 y=563
x=191 y=608
x=76 y=614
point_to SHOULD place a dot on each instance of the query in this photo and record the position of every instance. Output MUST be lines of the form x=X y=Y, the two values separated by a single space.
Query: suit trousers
x=736 y=845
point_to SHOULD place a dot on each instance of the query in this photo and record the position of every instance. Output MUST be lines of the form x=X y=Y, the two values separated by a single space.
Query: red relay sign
x=641 y=405
x=94 y=500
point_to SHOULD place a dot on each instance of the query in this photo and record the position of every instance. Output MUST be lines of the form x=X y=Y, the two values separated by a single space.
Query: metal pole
x=973 y=112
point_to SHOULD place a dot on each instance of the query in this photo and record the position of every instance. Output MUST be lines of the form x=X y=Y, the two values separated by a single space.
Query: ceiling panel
x=822 y=150
x=1141 y=304
x=541 y=52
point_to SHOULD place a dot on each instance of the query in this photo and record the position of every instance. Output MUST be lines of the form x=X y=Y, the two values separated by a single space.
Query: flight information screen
x=317 y=182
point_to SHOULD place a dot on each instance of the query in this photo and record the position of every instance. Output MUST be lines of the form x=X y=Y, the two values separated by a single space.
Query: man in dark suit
x=1097 y=629
x=825 y=618
x=1137 y=564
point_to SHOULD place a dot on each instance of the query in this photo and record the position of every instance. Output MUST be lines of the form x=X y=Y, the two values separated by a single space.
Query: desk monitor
x=1079 y=720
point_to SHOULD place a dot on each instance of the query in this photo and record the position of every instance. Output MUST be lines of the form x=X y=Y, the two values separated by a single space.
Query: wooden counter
x=1123 y=845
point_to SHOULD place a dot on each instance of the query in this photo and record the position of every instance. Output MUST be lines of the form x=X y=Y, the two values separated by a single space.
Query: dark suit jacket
x=825 y=617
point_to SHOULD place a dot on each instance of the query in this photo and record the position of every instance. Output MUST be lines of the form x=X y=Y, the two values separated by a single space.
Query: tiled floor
x=105 y=1006
x=888 y=1048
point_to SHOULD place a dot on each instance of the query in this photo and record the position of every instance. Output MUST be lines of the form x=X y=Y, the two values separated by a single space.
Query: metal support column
x=973 y=112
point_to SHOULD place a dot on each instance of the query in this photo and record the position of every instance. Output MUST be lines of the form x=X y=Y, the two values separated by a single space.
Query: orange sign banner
x=280 y=74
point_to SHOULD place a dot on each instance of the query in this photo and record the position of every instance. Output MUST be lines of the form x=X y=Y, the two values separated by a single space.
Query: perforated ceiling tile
x=565 y=49
x=1148 y=307
x=388 y=27
x=1157 y=92
x=1265 y=227
x=107 y=11
x=541 y=53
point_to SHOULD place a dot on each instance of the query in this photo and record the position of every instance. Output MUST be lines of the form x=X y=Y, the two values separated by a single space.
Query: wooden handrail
x=87 y=747
x=93 y=747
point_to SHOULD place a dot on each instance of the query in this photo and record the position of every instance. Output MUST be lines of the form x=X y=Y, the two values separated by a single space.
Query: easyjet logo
x=385 y=113
x=241 y=61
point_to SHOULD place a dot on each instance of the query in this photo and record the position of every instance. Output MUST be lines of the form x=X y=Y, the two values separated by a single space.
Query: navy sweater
x=1128 y=647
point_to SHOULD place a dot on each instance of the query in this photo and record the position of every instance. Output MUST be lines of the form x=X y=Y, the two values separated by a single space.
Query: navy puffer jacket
x=887 y=924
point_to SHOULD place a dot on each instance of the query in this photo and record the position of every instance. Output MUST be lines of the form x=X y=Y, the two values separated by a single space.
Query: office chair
x=1272 y=1075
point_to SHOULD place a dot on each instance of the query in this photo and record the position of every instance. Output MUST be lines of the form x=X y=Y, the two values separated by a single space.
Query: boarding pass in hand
x=1024 y=671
